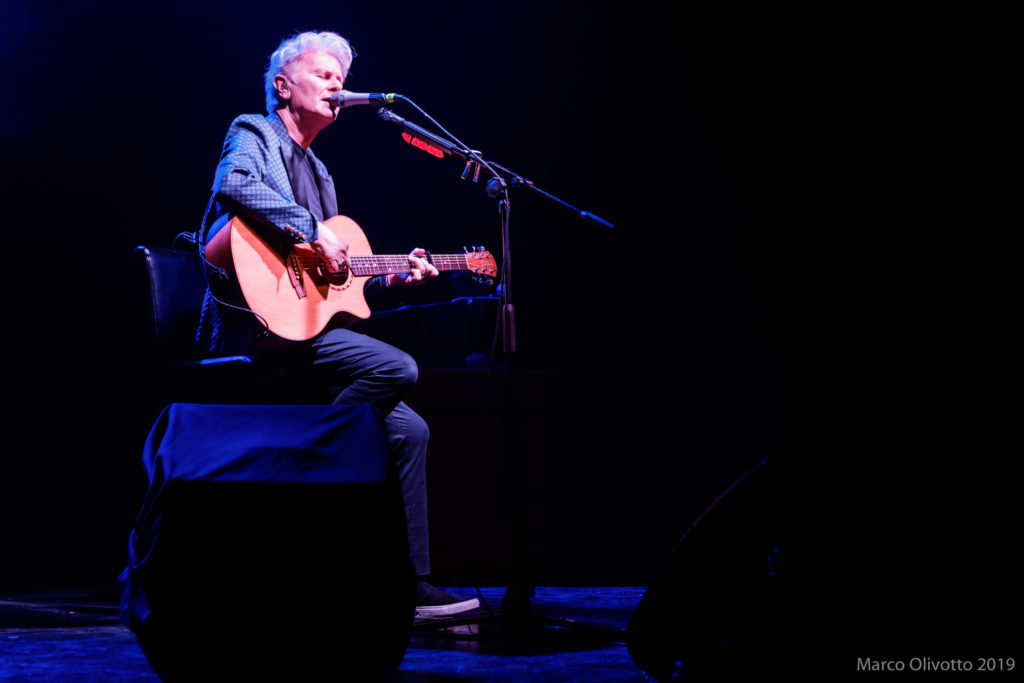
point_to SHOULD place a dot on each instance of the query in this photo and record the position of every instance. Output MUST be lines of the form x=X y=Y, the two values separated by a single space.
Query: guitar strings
x=367 y=265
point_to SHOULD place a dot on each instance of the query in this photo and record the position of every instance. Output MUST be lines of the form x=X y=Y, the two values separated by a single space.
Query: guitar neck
x=387 y=264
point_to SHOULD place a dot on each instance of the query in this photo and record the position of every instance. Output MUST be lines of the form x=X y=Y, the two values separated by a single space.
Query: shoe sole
x=427 y=611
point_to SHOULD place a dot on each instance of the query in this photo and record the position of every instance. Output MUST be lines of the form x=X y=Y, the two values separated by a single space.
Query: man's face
x=311 y=80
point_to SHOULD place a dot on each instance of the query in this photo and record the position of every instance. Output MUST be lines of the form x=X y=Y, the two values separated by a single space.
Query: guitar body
x=294 y=293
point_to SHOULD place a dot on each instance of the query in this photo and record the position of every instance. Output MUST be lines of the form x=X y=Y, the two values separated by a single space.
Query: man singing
x=269 y=175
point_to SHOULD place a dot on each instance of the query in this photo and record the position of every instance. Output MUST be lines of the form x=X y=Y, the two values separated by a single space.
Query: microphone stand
x=515 y=604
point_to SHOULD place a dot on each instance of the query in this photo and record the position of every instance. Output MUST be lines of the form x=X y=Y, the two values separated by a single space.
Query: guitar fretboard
x=385 y=264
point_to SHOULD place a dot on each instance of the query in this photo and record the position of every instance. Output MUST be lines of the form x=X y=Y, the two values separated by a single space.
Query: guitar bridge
x=295 y=275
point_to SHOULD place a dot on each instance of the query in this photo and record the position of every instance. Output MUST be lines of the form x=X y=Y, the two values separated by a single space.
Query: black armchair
x=171 y=285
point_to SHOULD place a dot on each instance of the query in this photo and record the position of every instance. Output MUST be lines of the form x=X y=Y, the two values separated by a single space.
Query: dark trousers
x=365 y=370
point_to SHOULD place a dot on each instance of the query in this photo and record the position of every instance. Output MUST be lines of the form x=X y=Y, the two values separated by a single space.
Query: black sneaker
x=434 y=602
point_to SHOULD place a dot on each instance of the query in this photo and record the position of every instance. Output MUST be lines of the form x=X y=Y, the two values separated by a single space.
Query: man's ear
x=281 y=86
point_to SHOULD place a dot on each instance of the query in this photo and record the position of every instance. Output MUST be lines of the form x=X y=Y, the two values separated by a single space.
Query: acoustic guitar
x=296 y=295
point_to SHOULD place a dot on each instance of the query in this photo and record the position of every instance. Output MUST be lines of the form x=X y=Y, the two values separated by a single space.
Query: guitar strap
x=204 y=227
x=219 y=274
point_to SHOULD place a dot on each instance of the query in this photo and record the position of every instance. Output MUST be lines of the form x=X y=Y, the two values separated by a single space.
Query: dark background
x=752 y=300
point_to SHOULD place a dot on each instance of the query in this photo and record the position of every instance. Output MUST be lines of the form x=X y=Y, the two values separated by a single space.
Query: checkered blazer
x=252 y=178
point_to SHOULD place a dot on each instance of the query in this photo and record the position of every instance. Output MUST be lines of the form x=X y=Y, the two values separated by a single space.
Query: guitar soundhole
x=334 y=279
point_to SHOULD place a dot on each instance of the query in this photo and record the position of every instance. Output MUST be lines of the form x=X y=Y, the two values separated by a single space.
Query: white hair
x=297 y=45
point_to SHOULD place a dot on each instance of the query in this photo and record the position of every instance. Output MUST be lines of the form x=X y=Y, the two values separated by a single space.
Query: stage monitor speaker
x=721 y=606
x=271 y=543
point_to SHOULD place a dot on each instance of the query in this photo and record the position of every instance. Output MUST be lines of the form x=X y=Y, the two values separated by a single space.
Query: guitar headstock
x=481 y=263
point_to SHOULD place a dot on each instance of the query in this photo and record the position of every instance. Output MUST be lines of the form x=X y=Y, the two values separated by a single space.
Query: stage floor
x=75 y=635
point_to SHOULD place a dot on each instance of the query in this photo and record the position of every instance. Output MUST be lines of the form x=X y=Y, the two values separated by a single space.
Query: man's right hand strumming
x=332 y=248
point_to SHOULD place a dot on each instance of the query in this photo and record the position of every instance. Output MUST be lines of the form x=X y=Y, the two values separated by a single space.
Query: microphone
x=344 y=98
